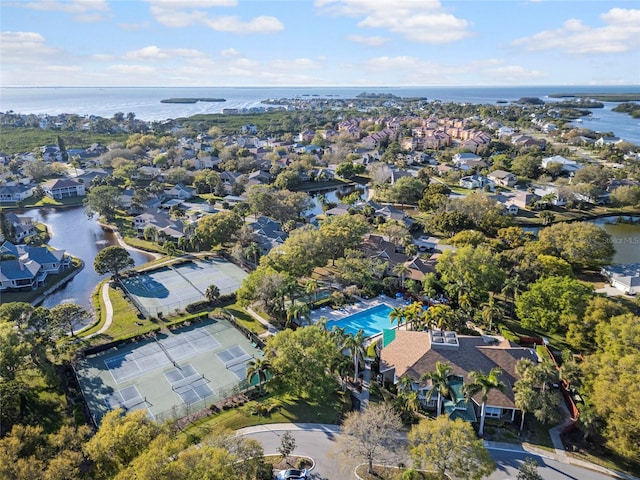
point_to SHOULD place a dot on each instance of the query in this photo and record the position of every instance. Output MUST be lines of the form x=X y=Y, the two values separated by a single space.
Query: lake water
x=81 y=237
x=625 y=238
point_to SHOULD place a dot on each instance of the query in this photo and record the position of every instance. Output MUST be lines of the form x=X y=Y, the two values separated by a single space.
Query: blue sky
x=319 y=42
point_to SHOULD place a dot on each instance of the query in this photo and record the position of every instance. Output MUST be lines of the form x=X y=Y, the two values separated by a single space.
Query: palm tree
x=401 y=269
x=481 y=383
x=312 y=287
x=258 y=367
x=441 y=316
x=547 y=217
x=212 y=294
x=297 y=311
x=511 y=288
x=405 y=384
x=525 y=397
x=355 y=345
x=440 y=379
x=412 y=313
x=397 y=315
x=491 y=311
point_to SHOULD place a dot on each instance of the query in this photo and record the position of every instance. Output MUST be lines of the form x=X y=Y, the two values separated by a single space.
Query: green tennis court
x=169 y=376
x=170 y=288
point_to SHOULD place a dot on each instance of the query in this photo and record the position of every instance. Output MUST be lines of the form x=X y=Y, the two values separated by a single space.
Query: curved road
x=318 y=442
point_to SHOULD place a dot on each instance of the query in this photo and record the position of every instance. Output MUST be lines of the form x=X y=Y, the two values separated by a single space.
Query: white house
x=625 y=278
x=476 y=181
x=568 y=166
x=63 y=188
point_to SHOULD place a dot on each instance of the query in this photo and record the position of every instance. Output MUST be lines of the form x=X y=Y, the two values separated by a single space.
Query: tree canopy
x=450 y=447
x=112 y=259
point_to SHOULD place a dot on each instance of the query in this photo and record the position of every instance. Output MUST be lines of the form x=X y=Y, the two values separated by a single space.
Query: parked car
x=293 y=474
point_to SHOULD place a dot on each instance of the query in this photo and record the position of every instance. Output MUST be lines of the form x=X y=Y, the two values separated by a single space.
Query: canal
x=71 y=230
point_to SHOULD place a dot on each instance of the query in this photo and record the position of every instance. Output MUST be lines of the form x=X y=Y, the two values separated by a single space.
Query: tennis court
x=170 y=375
x=170 y=288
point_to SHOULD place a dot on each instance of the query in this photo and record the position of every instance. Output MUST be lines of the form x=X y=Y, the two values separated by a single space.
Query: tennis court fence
x=220 y=394
x=166 y=308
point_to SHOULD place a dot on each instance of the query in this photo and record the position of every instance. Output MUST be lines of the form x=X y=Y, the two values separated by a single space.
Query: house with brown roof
x=414 y=353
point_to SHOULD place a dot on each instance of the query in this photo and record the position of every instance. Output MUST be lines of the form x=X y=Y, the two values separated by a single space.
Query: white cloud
x=235 y=25
x=621 y=33
x=368 y=41
x=24 y=47
x=86 y=11
x=64 y=68
x=230 y=52
x=154 y=53
x=184 y=13
x=424 y=21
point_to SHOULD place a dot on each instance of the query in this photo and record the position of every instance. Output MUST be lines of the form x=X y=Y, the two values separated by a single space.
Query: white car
x=292 y=474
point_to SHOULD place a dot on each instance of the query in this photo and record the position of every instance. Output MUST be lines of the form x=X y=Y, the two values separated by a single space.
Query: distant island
x=192 y=100
x=603 y=97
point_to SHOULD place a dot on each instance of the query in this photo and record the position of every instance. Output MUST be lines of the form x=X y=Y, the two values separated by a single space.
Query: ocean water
x=145 y=102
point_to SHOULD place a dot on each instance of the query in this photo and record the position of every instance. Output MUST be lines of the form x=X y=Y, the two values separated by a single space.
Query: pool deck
x=347 y=310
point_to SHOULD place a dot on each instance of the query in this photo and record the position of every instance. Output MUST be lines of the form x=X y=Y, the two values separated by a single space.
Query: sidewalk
x=271 y=330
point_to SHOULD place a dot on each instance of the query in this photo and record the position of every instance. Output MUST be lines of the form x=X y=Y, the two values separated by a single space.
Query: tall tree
x=355 y=345
x=300 y=360
x=103 y=200
x=370 y=435
x=483 y=383
x=112 y=259
x=451 y=447
x=67 y=315
x=258 y=368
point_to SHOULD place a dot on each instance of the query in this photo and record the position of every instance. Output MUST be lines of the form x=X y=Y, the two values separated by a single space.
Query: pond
x=71 y=230
x=624 y=236
x=336 y=196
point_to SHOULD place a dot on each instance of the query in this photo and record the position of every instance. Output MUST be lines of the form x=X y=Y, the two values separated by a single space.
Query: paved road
x=320 y=445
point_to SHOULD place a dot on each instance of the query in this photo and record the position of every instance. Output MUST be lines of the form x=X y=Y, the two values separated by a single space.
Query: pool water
x=372 y=321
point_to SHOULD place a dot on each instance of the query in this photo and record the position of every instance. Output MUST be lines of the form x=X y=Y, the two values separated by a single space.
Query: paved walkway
x=271 y=330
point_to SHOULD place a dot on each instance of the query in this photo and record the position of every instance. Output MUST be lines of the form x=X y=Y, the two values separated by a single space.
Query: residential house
x=502 y=178
x=51 y=260
x=625 y=278
x=269 y=233
x=17 y=275
x=89 y=175
x=21 y=227
x=64 y=188
x=528 y=141
x=604 y=141
x=477 y=181
x=15 y=193
x=180 y=192
x=31 y=265
x=524 y=199
x=165 y=225
x=413 y=353
x=567 y=166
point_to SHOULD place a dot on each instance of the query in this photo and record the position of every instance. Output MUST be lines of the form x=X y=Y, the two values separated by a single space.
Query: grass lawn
x=557 y=341
x=289 y=410
x=143 y=244
x=50 y=202
x=244 y=319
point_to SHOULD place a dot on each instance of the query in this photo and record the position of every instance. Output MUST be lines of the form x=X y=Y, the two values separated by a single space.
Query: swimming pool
x=372 y=320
